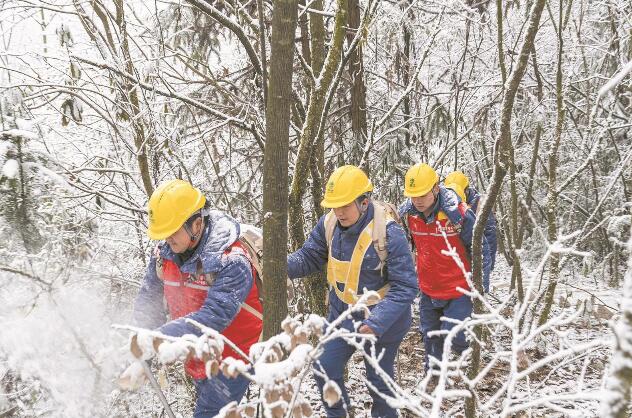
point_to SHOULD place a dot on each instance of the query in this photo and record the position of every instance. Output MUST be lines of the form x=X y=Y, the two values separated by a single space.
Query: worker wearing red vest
x=434 y=215
x=204 y=274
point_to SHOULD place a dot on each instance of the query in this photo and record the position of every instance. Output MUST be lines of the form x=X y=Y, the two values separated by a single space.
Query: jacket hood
x=220 y=232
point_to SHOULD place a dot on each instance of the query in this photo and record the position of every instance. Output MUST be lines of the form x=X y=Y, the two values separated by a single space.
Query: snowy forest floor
x=563 y=378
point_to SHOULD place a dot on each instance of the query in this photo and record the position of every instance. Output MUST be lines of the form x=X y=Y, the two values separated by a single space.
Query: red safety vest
x=438 y=274
x=186 y=294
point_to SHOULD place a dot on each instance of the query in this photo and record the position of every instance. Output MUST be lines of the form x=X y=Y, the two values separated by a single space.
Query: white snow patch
x=10 y=168
x=267 y=374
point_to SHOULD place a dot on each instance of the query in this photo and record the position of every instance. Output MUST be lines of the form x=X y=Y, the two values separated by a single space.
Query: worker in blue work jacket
x=362 y=247
x=472 y=197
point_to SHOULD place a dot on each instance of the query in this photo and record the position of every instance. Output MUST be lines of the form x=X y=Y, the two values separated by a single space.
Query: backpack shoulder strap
x=330 y=225
x=250 y=243
x=383 y=214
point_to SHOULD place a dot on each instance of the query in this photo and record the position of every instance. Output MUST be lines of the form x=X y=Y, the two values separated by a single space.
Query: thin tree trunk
x=358 y=89
x=406 y=78
x=317 y=288
x=551 y=212
x=317 y=38
x=275 y=163
x=501 y=162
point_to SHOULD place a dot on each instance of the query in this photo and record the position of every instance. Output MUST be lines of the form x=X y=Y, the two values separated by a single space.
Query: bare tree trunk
x=317 y=288
x=317 y=38
x=358 y=89
x=275 y=163
x=501 y=163
x=516 y=273
x=551 y=211
x=406 y=78
x=616 y=401
x=534 y=155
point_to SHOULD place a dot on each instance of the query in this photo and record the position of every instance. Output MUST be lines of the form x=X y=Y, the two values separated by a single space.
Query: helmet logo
x=411 y=183
x=151 y=216
x=330 y=187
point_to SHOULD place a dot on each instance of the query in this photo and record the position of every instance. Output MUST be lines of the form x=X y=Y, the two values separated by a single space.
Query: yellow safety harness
x=347 y=273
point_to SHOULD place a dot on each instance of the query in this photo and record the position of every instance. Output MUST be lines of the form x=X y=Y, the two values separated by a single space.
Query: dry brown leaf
x=286 y=394
x=249 y=411
x=331 y=393
x=228 y=371
x=214 y=366
x=272 y=396
x=233 y=413
x=156 y=343
x=289 y=326
x=297 y=412
x=301 y=336
x=523 y=360
x=134 y=347
x=372 y=299
x=306 y=409
x=278 y=411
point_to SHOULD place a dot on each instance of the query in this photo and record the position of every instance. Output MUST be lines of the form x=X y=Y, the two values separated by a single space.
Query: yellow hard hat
x=457 y=177
x=169 y=207
x=345 y=185
x=457 y=189
x=419 y=180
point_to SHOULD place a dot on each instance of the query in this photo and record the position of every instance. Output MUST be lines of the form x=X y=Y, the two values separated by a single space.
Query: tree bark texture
x=275 y=163
x=316 y=287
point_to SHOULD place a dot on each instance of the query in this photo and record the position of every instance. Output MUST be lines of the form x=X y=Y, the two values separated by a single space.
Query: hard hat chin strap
x=187 y=225
x=192 y=236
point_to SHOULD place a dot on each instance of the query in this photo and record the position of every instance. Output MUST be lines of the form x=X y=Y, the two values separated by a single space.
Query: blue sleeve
x=404 y=208
x=312 y=256
x=449 y=204
x=490 y=234
x=472 y=198
x=467 y=232
x=229 y=290
x=402 y=278
x=149 y=308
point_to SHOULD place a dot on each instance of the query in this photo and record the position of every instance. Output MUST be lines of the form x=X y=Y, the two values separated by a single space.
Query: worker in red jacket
x=434 y=215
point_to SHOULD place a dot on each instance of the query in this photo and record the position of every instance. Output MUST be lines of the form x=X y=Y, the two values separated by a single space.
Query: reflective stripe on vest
x=348 y=272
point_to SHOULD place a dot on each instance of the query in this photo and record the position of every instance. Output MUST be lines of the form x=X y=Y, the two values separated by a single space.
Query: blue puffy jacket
x=448 y=201
x=472 y=198
x=233 y=282
x=390 y=319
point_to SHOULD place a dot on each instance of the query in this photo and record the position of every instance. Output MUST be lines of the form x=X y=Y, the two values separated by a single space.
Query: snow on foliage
x=10 y=168
x=64 y=342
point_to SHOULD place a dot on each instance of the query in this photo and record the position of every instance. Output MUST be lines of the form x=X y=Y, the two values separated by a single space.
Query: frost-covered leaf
x=331 y=393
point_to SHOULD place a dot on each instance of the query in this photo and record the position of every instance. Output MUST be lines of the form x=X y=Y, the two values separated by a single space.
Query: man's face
x=349 y=214
x=425 y=202
x=180 y=241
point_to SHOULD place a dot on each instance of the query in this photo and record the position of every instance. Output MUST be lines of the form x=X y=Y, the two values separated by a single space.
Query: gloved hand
x=133 y=377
